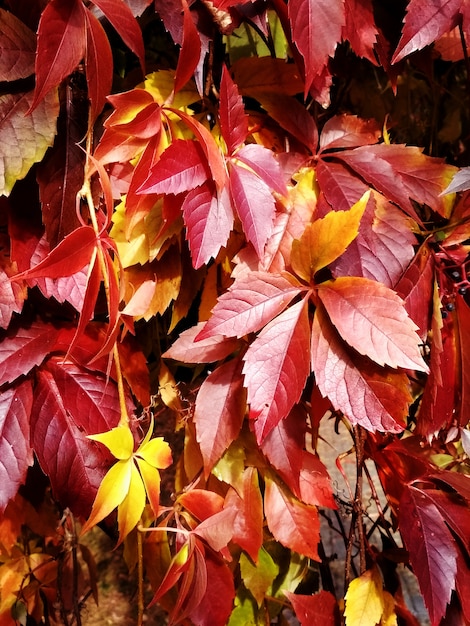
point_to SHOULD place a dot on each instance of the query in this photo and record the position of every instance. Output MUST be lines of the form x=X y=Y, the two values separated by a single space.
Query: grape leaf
x=295 y=525
x=18 y=46
x=275 y=384
x=432 y=549
x=24 y=138
x=373 y=320
x=376 y=398
x=249 y=304
x=15 y=451
x=219 y=411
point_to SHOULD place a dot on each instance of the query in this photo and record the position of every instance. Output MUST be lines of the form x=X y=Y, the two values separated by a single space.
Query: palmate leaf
x=372 y=319
x=276 y=367
x=373 y=397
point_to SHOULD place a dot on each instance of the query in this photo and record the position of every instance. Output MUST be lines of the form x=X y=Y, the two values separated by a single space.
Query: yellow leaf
x=364 y=600
x=112 y=491
x=389 y=617
x=156 y=453
x=131 y=508
x=168 y=390
x=151 y=479
x=118 y=440
x=326 y=239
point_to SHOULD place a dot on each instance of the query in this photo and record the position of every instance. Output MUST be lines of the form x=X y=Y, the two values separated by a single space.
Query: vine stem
x=140 y=574
x=357 y=527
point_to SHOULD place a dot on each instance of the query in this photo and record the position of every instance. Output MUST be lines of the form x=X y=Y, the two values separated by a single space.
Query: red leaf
x=424 y=23
x=360 y=29
x=15 y=452
x=61 y=44
x=321 y=608
x=219 y=412
x=382 y=250
x=316 y=30
x=263 y=162
x=248 y=523
x=69 y=257
x=217 y=603
x=99 y=64
x=432 y=549
x=208 y=350
x=375 y=398
x=121 y=17
x=11 y=299
x=295 y=525
x=208 y=218
x=24 y=348
x=18 y=45
x=69 y=404
x=373 y=320
x=254 y=203
x=340 y=187
x=181 y=167
x=276 y=368
x=201 y=503
x=190 y=49
x=233 y=120
x=249 y=304
x=402 y=172
x=348 y=131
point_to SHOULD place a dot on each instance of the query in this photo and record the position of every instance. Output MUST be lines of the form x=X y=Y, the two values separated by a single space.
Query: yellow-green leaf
x=326 y=239
x=112 y=491
x=364 y=600
x=258 y=578
x=118 y=440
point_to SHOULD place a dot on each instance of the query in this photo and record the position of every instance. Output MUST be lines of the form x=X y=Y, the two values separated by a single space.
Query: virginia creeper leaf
x=24 y=138
x=216 y=605
x=61 y=44
x=207 y=350
x=320 y=607
x=99 y=64
x=208 y=218
x=326 y=239
x=360 y=29
x=292 y=523
x=373 y=320
x=219 y=411
x=340 y=188
x=258 y=578
x=23 y=348
x=249 y=304
x=15 y=451
x=348 y=131
x=275 y=384
x=18 y=46
x=181 y=167
x=190 y=49
x=233 y=120
x=424 y=24
x=265 y=74
x=432 y=549
x=364 y=599
x=263 y=162
x=375 y=398
x=316 y=30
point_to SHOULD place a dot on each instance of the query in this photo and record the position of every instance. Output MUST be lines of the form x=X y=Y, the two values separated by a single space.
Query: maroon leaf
x=249 y=304
x=61 y=44
x=432 y=549
x=216 y=605
x=208 y=218
x=254 y=204
x=213 y=348
x=18 y=46
x=24 y=348
x=69 y=404
x=360 y=29
x=15 y=452
x=275 y=384
x=372 y=319
x=424 y=24
x=339 y=186
x=376 y=398
x=219 y=411
x=181 y=167
x=233 y=120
